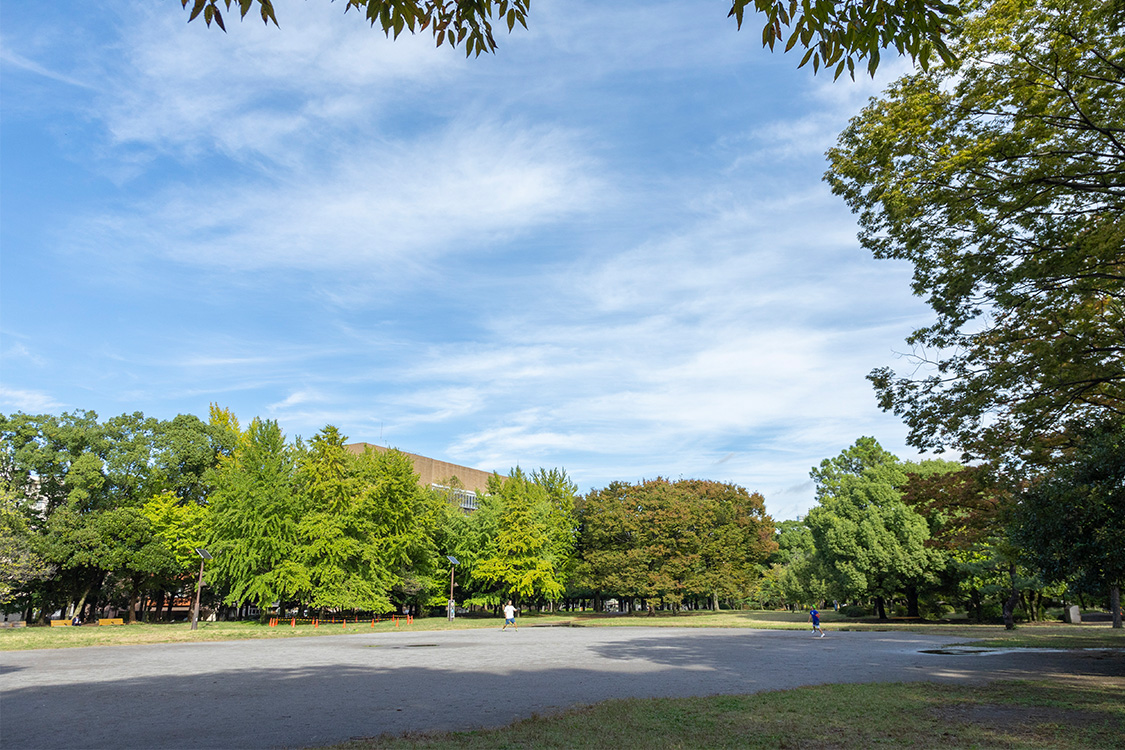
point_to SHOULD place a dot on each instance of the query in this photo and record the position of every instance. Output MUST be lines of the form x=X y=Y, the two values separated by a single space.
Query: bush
x=935 y=609
x=854 y=610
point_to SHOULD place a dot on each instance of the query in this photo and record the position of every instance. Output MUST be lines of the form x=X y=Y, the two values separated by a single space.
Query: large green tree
x=362 y=532
x=673 y=541
x=610 y=559
x=868 y=542
x=83 y=484
x=38 y=452
x=736 y=538
x=1001 y=179
x=20 y=563
x=255 y=522
x=1071 y=521
x=401 y=519
x=836 y=33
x=525 y=559
x=792 y=578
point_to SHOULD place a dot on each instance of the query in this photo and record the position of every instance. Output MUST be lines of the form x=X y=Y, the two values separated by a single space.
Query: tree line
x=96 y=514
x=922 y=539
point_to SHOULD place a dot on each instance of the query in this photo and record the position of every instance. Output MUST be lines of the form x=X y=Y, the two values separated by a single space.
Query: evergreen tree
x=1071 y=521
x=868 y=542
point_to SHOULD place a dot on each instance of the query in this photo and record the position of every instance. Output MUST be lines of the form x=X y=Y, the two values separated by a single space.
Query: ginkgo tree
x=528 y=555
x=338 y=549
x=255 y=522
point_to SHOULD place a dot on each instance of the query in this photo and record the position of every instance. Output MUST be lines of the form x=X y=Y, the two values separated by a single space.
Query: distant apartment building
x=465 y=484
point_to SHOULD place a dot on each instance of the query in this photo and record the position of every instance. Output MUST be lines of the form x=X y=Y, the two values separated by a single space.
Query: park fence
x=343 y=622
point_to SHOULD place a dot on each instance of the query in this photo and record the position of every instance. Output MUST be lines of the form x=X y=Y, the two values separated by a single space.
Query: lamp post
x=452 y=567
x=204 y=557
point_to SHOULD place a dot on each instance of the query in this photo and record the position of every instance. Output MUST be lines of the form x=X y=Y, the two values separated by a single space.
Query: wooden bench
x=111 y=621
x=60 y=623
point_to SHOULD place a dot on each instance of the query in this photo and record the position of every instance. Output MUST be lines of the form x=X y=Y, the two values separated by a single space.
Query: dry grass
x=16 y=639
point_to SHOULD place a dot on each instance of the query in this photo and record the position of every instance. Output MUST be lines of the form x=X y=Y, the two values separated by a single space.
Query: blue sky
x=605 y=248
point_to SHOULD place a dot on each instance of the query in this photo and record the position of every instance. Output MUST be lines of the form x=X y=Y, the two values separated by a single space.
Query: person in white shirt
x=509 y=616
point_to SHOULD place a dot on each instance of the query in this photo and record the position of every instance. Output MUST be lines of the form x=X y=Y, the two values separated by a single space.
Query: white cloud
x=295 y=398
x=19 y=351
x=10 y=57
x=606 y=247
x=32 y=402
x=256 y=91
x=812 y=133
x=380 y=210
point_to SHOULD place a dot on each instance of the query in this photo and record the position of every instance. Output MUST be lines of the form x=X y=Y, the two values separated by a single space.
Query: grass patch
x=1035 y=635
x=18 y=639
x=1078 y=714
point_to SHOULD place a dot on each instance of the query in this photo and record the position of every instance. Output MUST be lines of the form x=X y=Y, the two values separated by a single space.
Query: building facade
x=464 y=483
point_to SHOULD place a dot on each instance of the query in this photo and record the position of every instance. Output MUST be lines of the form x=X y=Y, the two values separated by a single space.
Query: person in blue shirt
x=814 y=617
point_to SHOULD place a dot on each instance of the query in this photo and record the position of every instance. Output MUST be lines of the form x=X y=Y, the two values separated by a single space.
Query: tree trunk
x=1115 y=604
x=81 y=603
x=134 y=595
x=714 y=601
x=912 y=601
x=1013 y=599
x=880 y=608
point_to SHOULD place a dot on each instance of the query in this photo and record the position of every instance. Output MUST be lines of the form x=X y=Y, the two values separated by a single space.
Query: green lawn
x=1048 y=635
x=1084 y=715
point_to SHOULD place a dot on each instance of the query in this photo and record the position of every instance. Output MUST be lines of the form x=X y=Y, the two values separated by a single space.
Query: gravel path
x=305 y=691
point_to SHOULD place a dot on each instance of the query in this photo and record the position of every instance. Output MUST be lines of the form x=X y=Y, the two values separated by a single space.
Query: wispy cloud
x=381 y=209
x=32 y=402
x=606 y=247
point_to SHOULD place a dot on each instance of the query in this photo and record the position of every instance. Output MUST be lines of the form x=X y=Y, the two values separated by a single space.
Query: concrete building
x=464 y=483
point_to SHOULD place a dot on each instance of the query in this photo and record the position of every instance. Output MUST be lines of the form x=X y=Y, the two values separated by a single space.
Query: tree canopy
x=1071 y=522
x=868 y=541
x=835 y=33
x=668 y=541
x=1001 y=178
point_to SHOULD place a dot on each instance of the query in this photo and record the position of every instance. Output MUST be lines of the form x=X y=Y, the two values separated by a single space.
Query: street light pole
x=204 y=557
x=452 y=567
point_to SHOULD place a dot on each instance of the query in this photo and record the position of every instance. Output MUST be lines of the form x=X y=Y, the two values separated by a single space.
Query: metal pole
x=452 y=605
x=198 y=591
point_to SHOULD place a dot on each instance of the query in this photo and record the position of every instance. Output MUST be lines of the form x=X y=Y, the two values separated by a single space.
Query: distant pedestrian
x=509 y=616
x=814 y=616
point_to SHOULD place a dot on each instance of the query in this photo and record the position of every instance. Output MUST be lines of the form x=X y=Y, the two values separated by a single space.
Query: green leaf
x=196 y=10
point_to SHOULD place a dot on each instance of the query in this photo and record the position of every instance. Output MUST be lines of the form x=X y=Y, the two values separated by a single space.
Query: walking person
x=509 y=616
x=814 y=617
